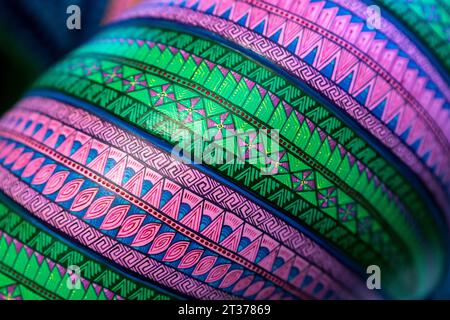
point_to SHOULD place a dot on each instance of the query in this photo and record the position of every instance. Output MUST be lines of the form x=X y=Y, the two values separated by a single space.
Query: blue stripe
x=18 y=209
x=166 y=147
x=434 y=60
x=385 y=152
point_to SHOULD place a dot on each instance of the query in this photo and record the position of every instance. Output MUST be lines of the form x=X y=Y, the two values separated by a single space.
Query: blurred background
x=33 y=35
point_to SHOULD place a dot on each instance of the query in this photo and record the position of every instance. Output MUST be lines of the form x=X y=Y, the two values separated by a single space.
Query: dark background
x=33 y=35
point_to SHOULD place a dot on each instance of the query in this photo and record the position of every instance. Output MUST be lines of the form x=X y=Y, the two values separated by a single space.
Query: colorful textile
x=231 y=149
x=37 y=269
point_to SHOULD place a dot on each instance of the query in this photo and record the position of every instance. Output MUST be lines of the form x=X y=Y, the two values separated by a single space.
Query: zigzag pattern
x=340 y=48
x=81 y=232
x=188 y=177
x=155 y=157
x=95 y=275
x=172 y=207
x=187 y=100
x=15 y=287
x=132 y=43
x=430 y=23
x=267 y=48
x=40 y=270
x=310 y=138
x=161 y=125
x=272 y=110
x=116 y=217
